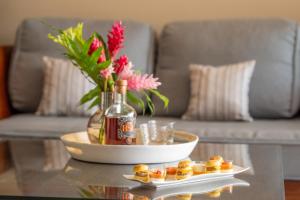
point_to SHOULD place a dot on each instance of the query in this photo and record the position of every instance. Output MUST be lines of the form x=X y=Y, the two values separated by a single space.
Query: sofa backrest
x=26 y=69
x=273 y=43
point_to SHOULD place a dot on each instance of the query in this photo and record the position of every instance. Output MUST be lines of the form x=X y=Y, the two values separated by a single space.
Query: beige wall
x=154 y=12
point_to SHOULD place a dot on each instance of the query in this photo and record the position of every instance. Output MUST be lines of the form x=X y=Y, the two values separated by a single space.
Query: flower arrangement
x=99 y=63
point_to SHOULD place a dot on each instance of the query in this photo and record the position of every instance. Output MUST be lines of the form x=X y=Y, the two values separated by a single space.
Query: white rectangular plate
x=193 y=179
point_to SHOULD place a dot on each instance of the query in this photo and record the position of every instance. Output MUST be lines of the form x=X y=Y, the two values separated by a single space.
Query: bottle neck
x=106 y=100
x=120 y=98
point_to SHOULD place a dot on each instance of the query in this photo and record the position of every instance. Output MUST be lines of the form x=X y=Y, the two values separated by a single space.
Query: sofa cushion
x=30 y=125
x=259 y=131
x=220 y=93
x=281 y=131
x=26 y=70
x=64 y=86
x=274 y=44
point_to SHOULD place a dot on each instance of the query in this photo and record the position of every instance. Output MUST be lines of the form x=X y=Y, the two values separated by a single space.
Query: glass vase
x=95 y=127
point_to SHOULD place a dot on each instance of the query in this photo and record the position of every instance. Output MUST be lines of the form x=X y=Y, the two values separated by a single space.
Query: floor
x=292 y=190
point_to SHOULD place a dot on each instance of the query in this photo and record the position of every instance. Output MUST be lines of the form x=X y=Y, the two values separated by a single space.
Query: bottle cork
x=121 y=86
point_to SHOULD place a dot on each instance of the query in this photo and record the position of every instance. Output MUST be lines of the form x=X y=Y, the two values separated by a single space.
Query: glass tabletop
x=42 y=168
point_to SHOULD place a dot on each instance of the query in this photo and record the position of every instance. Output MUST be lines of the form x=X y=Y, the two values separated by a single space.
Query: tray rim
x=64 y=140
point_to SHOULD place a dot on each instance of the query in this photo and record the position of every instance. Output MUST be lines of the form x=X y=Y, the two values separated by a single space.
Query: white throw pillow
x=220 y=93
x=64 y=85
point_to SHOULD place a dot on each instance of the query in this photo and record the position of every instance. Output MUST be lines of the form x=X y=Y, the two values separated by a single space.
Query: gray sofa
x=274 y=90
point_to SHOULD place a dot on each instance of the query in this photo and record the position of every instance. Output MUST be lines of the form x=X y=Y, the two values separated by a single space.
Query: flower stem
x=105 y=85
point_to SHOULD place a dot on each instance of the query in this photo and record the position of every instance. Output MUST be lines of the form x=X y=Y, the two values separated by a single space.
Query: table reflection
x=212 y=189
x=108 y=182
x=47 y=162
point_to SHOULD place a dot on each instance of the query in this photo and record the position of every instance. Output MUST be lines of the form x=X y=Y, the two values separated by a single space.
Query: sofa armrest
x=4 y=102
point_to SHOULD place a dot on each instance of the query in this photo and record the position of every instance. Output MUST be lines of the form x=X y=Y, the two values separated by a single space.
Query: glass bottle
x=120 y=118
x=95 y=127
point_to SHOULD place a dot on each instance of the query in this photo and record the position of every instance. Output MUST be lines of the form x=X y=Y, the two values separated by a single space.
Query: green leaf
x=115 y=76
x=71 y=45
x=111 y=84
x=93 y=59
x=90 y=95
x=57 y=39
x=78 y=34
x=70 y=56
x=86 y=46
x=103 y=65
x=164 y=99
x=107 y=55
x=95 y=102
x=136 y=100
x=85 y=193
x=150 y=104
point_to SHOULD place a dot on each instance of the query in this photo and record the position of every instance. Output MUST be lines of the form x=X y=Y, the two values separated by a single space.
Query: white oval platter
x=192 y=179
x=79 y=146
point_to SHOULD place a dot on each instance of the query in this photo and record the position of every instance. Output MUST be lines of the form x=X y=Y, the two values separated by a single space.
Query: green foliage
x=77 y=49
x=136 y=100
x=85 y=193
x=150 y=104
x=163 y=98
x=90 y=95
x=104 y=45
x=95 y=102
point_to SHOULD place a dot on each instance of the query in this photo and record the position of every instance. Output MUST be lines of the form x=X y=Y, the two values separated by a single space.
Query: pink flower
x=120 y=64
x=96 y=44
x=126 y=72
x=105 y=73
x=101 y=58
x=115 y=39
x=138 y=82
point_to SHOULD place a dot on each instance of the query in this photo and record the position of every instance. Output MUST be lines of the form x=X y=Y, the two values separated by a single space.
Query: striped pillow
x=64 y=85
x=220 y=93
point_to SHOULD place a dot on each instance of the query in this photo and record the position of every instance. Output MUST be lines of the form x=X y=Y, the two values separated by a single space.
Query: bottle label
x=126 y=129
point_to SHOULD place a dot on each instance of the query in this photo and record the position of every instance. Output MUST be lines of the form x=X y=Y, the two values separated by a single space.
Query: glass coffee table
x=41 y=168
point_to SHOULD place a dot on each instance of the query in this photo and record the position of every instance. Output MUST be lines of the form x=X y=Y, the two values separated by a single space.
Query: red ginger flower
x=115 y=39
x=96 y=44
x=120 y=64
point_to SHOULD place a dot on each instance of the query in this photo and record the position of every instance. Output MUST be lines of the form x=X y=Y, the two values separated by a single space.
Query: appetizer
x=184 y=196
x=184 y=170
x=158 y=175
x=215 y=193
x=213 y=166
x=141 y=172
x=140 y=167
x=199 y=168
x=228 y=189
x=184 y=164
x=171 y=172
x=227 y=166
x=184 y=173
x=217 y=158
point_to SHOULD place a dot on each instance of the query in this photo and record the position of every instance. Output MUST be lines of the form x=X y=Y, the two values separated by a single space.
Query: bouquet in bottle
x=97 y=59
